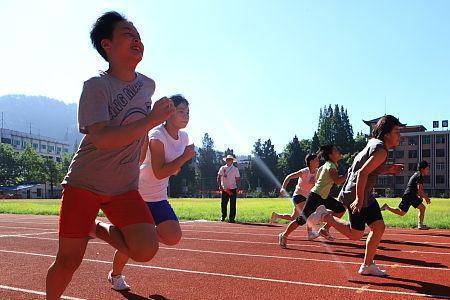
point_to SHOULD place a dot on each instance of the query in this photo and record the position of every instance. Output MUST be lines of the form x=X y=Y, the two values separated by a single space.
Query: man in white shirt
x=228 y=179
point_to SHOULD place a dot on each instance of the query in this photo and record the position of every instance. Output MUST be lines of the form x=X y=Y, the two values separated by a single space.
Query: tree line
x=261 y=173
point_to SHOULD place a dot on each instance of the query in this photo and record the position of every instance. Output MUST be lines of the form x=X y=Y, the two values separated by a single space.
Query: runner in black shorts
x=357 y=196
x=320 y=194
x=306 y=180
x=413 y=195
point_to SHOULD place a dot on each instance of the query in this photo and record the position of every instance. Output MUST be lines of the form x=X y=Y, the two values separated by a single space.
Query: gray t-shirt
x=348 y=192
x=105 y=98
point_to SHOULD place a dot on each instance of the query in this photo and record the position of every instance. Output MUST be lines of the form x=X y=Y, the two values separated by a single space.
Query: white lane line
x=10 y=288
x=266 y=256
x=269 y=243
x=30 y=228
x=234 y=276
x=18 y=234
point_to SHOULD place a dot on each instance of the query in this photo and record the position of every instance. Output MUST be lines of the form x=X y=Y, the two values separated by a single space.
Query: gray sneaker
x=282 y=241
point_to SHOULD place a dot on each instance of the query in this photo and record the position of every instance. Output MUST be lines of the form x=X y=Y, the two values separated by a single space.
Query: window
x=399 y=180
x=412 y=153
x=426 y=140
x=66 y=150
x=426 y=153
x=58 y=150
x=402 y=141
x=35 y=146
x=51 y=148
x=412 y=167
x=440 y=179
x=43 y=147
x=412 y=140
x=426 y=179
x=440 y=139
x=6 y=141
x=440 y=166
x=440 y=152
x=39 y=193
x=399 y=154
x=17 y=143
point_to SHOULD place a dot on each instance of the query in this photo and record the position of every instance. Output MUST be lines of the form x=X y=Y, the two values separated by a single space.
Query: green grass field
x=248 y=210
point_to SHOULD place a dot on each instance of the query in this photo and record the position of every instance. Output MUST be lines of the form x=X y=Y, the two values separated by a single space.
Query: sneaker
x=372 y=270
x=312 y=235
x=118 y=282
x=325 y=233
x=317 y=217
x=273 y=218
x=423 y=227
x=282 y=241
x=384 y=207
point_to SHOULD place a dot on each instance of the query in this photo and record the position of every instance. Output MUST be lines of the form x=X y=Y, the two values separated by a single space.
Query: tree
x=263 y=167
x=360 y=142
x=208 y=164
x=229 y=152
x=52 y=173
x=9 y=165
x=31 y=166
x=315 y=143
x=185 y=181
x=292 y=158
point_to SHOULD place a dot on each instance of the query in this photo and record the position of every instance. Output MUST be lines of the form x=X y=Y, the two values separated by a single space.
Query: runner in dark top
x=414 y=195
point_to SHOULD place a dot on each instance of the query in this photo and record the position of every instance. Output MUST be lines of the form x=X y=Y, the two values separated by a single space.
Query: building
x=416 y=144
x=45 y=146
x=30 y=191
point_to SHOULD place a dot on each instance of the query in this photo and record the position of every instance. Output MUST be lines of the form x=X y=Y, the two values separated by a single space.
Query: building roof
x=16 y=187
x=33 y=136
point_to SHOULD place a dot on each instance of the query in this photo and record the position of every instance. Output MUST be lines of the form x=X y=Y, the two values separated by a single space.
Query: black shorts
x=367 y=215
x=409 y=200
x=297 y=199
x=313 y=202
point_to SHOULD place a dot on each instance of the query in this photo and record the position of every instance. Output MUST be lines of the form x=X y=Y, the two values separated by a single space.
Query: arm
x=238 y=182
x=422 y=193
x=391 y=169
x=338 y=179
x=287 y=180
x=111 y=137
x=219 y=181
x=143 y=151
x=161 y=169
x=371 y=165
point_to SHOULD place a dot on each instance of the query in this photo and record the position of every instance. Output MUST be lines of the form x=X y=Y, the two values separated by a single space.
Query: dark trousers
x=232 y=199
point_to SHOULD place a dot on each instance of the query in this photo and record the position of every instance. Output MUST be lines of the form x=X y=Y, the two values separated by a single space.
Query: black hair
x=384 y=126
x=310 y=157
x=179 y=99
x=325 y=151
x=103 y=29
x=422 y=165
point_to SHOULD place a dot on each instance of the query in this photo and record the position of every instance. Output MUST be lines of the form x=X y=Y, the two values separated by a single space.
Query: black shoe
x=232 y=221
x=223 y=219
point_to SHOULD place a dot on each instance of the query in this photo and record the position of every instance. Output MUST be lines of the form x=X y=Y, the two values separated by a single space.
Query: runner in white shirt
x=165 y=152
x=306 y=180
x=228 y=179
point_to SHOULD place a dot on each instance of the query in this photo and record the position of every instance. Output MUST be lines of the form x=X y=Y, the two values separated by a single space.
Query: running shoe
x=372 y=270
x=282 y=241
x=118 y=282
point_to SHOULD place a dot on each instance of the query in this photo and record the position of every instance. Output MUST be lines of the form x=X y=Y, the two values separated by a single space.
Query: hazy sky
x=251 y=69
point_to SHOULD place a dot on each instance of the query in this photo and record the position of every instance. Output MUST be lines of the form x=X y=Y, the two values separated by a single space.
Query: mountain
x=48 y=117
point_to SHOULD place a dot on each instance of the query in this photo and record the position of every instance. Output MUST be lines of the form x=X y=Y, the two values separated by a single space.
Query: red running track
x=232 y=261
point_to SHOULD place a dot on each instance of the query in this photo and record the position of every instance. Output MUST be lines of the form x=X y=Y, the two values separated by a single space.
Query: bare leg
x=68 y=259
x=396 y=210
x=290 y=228
x=337 y=215
x=421 y=209
x=373 y=240
x=344 y=227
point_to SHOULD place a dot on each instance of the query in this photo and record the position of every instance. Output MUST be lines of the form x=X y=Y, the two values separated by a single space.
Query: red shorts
x=80 y=207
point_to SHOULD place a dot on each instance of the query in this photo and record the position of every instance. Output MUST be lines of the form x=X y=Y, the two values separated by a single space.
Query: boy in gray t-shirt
x=357 y=196
x=114 y=114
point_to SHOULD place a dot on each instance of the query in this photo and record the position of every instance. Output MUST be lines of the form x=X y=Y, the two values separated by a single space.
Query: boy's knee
x=67 y=263
x=173 y=240
x=144 y=253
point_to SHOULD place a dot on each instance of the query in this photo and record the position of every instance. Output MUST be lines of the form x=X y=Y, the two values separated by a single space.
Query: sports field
x=248 y=210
